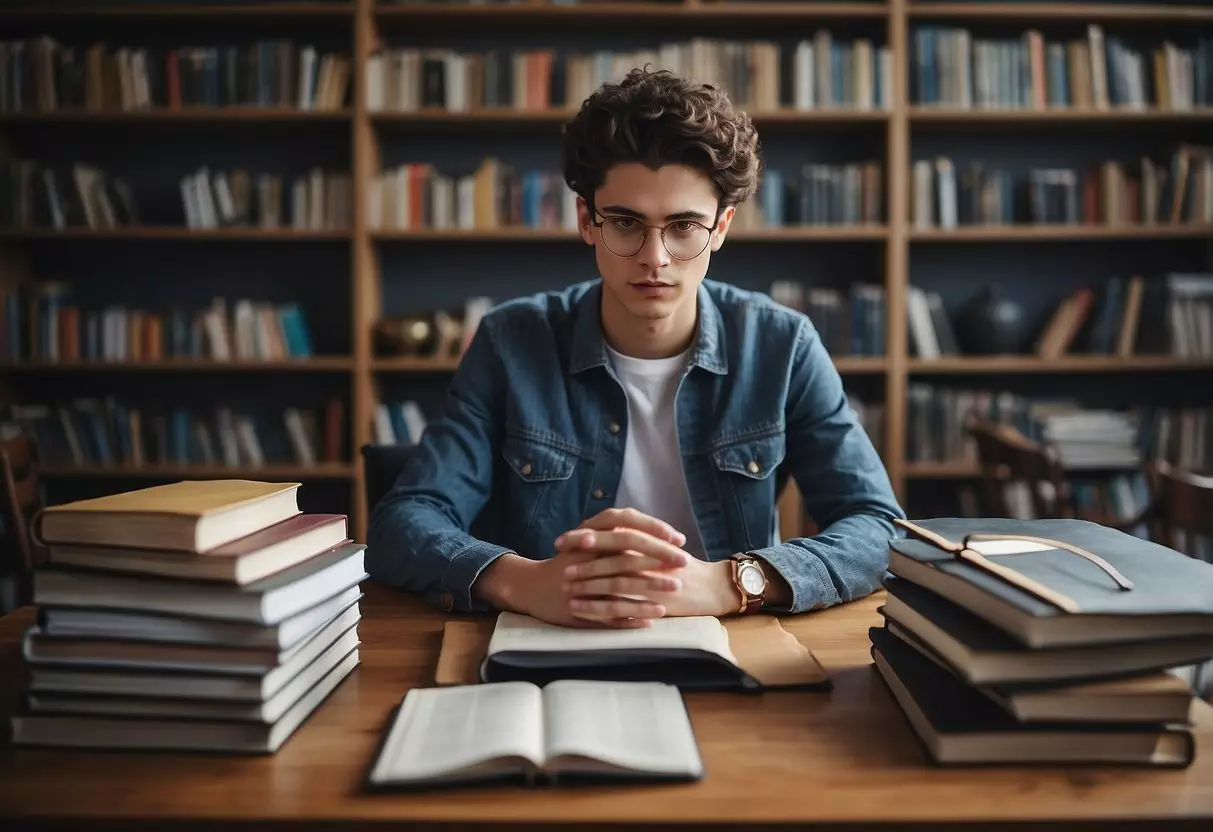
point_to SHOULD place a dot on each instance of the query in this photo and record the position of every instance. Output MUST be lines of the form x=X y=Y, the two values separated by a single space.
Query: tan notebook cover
x=763 y=648
x=190 y=498
x=191 y=515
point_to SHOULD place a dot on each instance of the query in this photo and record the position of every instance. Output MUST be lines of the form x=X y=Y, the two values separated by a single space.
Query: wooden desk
x=822 y=759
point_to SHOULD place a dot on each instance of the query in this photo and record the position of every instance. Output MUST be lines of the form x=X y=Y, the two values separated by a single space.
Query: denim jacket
x=531 y=438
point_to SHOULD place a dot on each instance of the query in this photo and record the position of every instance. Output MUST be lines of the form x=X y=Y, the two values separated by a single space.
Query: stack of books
x=1043 y=642
x=197 y=615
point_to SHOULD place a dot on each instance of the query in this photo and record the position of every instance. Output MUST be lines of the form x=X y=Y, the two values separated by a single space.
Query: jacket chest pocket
x=746 y=472
x=539 y=492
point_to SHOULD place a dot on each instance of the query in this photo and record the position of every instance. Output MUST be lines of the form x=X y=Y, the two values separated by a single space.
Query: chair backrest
x=1182 y=503
x=1005 y=455
x=382 y=465
x=22 y=494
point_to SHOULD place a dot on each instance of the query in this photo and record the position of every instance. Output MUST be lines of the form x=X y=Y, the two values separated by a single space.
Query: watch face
x=752 y=580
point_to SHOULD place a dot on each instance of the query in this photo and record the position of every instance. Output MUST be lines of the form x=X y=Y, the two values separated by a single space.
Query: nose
x=653 y=254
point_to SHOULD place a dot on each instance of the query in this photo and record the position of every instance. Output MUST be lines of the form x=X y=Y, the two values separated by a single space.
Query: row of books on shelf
x=416 y=196
x=946 y=194
x=107 y=432
x=950 y=67
x=398 y=423
x=41 y=324
x=850 y=322
x=1170 y=315
x=39 y=195
x=318 y=201
x=1086 y=438
x=495 y=194
x=221 y=628
x=761 y=75
x=43 y=75
x=816 y=194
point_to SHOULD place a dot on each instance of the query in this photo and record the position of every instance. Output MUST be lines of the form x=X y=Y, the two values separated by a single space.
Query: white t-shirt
x=653 y=480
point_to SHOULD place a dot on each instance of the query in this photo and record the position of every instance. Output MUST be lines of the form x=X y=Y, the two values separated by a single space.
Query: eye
x=684 y=226
x=624 y=223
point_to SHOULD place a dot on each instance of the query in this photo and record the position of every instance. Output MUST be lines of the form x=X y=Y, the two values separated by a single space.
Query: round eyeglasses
x=626 y=236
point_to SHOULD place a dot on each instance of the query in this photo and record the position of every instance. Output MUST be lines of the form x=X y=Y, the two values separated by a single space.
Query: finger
x=631 y=518
x=625 y=563
x=620 y=539
x=641 y=586
x=612 y=608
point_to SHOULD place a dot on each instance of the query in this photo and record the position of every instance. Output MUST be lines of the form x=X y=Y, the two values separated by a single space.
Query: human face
x=651 y=288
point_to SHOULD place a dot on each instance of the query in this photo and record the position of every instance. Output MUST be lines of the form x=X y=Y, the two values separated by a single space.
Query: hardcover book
x=1050 y=583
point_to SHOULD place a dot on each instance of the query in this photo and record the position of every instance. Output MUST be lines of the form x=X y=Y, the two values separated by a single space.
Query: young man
x=613 y=453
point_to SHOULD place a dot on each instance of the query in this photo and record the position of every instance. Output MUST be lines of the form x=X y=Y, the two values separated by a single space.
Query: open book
x=691 y=652
x=516 y=731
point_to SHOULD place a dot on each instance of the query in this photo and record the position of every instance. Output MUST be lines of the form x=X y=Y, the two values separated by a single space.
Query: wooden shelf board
x=519 y=119
x=1094 y=12
x=994 y=233
x=268 y=472
x=941 y=470
x=860 y=364
x=95 y=9
x=521 y=234
x=1064 y=115
x=186 y=115
x=413 y=364
x=1066 y=364
x=170 y=233
x=305 y=365
x=626 y=13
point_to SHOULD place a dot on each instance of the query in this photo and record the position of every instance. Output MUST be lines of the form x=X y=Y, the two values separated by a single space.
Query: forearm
x=845 y=561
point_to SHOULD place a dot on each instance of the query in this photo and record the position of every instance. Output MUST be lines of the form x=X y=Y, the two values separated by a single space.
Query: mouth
x=653 y=288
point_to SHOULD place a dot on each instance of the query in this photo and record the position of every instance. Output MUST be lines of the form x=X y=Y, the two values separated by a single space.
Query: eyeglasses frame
x=594 y=212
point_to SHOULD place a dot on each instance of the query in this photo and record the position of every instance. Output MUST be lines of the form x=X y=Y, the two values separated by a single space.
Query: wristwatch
x=751 y=582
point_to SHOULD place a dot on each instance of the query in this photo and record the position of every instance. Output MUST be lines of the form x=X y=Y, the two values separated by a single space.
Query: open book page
x=462 y=730
x=521 y=632
x=641 y=726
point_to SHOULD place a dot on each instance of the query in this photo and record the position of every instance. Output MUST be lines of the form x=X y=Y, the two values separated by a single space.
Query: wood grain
x=846 y=756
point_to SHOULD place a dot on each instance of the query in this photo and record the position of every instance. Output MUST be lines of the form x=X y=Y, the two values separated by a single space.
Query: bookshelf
x=351 y=276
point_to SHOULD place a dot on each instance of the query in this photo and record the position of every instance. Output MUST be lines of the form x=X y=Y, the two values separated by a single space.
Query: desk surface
x=845 y=757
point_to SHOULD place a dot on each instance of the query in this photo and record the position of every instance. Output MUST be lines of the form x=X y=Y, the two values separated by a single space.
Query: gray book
x=1045 y=595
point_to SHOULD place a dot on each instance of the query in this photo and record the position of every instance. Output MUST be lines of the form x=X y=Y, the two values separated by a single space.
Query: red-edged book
x=242 y=561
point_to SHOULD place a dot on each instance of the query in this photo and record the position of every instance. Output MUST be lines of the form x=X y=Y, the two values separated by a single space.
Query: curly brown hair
x=658 y=118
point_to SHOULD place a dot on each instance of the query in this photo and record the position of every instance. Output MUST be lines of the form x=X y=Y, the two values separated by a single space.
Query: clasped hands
x=620 y=568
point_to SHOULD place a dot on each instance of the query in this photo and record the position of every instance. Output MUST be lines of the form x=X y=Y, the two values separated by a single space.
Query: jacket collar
x=589 y=344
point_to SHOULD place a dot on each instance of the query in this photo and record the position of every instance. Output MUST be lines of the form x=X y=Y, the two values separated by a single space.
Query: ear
x=722 y=227
x=585 y=225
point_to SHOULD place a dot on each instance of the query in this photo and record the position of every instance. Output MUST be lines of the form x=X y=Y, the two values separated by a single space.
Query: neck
x=641 y=338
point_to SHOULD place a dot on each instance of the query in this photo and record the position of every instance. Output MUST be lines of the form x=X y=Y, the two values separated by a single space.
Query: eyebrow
x=631 y=212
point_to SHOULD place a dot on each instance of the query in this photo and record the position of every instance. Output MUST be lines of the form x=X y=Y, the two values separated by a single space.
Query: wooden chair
x=1183 y=504
x=22 y=498
x=1005 y=455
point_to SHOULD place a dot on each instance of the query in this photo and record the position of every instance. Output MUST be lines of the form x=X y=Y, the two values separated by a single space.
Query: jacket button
x=613 y=427
x=753 y=467
x=447 y=601
x=526 y=469
x=599 y=493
